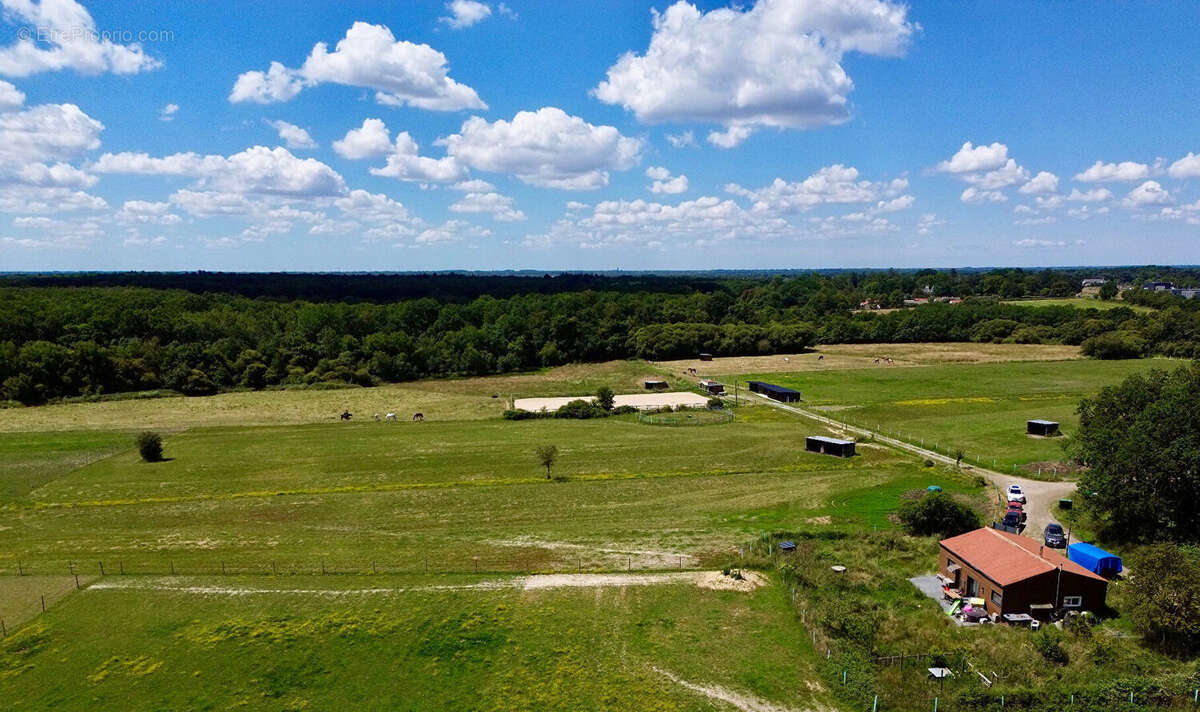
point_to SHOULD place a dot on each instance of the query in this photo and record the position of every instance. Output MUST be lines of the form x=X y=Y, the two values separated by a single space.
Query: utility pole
x=1057 y=584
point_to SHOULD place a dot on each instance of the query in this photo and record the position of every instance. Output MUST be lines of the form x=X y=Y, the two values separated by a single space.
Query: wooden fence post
x=43 y=603
x=101 y=568
x=76 y=581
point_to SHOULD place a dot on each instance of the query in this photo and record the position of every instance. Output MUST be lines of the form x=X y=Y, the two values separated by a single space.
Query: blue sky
x=633 y=135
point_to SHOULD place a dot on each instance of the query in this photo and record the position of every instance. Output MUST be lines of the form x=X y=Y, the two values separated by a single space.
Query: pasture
x=280 y=559
x=398 y=647
x=440 y=399
x=980 y=408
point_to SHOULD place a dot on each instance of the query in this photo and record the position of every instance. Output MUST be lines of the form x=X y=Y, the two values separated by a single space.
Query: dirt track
x=1040 y=496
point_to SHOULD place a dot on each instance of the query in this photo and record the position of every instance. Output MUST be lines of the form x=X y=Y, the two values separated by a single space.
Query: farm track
x=1040 y=496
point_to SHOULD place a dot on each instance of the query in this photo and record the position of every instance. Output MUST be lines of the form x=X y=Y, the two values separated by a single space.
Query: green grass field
x=280 y=559
x=507 y=649
x=980 y=408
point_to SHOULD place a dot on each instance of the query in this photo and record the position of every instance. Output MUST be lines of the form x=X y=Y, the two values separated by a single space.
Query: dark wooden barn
x=829 y=446
x=779 y=393
x=712 y=388
x=1045 y=428
x=706 y=357
x=653 y=385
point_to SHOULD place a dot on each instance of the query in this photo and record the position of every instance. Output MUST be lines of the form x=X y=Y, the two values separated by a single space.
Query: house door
x=972 y=587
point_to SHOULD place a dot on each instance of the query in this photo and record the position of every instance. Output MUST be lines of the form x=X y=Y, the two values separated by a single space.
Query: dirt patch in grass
x=718 y=581
x=1053 y=468
x=741 y=701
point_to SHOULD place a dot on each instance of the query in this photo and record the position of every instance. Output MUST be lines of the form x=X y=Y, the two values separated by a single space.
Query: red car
x=1019 y=509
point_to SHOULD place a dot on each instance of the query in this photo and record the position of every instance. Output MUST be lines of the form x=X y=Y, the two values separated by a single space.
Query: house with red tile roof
x=1015 y=574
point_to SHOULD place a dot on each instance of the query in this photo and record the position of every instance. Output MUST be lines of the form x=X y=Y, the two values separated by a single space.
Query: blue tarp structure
x=1094 y=559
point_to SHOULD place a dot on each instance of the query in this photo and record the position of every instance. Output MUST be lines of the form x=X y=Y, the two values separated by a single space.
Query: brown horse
x=418 y=417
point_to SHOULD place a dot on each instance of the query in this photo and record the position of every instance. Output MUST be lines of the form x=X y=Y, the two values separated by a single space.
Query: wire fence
x=686 y=418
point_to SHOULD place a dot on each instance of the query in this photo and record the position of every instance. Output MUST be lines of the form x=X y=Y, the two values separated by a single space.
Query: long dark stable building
x=779 y=393
x=829 y=446
x=1045 y=428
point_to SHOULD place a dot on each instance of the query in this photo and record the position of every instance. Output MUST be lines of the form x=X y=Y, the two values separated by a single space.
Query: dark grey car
x=1054 y=536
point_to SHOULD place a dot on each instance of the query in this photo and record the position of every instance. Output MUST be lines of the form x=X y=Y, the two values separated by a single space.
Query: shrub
x=716 y=403
x=1050 y=648
x=624 y=410
x=605 y=398
x=518 y=414
x=937 y=513
x=1114 y=345
x=150 y=447
x=581 y=410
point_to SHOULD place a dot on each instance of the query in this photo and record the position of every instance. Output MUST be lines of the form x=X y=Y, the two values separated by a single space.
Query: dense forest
x=70 y=335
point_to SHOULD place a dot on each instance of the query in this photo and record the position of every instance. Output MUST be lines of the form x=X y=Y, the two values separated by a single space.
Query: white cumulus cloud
x=293 y=136
x=1101 y=172
x=547 y=148
x=972 y=159
x=1186 y=167
x=63 y=35
x=1043 y=182
x=1146 y=194
x=256 y=170
x=464 y=13
x=777 y=63
x=401 y=73
x=500 y=207
x=664 y=182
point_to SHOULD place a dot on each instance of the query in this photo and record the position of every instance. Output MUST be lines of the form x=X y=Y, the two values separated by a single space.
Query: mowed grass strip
x=535 y=526
x=30 y=460
x=980 y=408
x=559 y=649
x=346 y=457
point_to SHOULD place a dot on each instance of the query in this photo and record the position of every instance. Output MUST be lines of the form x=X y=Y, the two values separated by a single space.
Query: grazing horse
x=418 y=417
x=346 y=415
x=390 y=416
x=821 y=357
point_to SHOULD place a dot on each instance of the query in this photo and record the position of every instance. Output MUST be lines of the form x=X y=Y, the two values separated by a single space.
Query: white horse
x=390 y=416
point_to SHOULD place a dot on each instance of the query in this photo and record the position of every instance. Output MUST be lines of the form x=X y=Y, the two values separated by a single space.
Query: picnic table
x=1018 y=618
x=953 y=595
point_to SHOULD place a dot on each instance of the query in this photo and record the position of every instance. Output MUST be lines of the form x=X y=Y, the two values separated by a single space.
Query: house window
x=949 y=563
x=1072 y=601
x=996 y=597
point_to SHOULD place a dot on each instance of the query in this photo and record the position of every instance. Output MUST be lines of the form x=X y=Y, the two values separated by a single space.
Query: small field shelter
x=829 y=446
x=1045 y=428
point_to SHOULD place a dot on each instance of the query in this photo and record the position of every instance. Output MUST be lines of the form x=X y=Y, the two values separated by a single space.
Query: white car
x=1016 y=494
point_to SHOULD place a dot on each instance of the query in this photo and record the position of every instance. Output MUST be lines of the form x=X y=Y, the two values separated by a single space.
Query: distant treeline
x=92 y=334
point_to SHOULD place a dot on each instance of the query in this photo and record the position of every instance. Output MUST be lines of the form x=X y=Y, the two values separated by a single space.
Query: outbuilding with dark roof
x=779 y=393
x=1015 y=574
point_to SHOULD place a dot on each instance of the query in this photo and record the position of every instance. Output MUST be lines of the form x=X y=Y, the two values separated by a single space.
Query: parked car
x=1019 y=509
x=1016 y=494
x=1054 y=536
x=1012 y=519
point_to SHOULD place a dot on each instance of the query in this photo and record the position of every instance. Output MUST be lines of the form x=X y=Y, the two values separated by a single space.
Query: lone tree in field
x=1140 y=443
x=149 y=445
x=605 y=398
x=546 y=455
